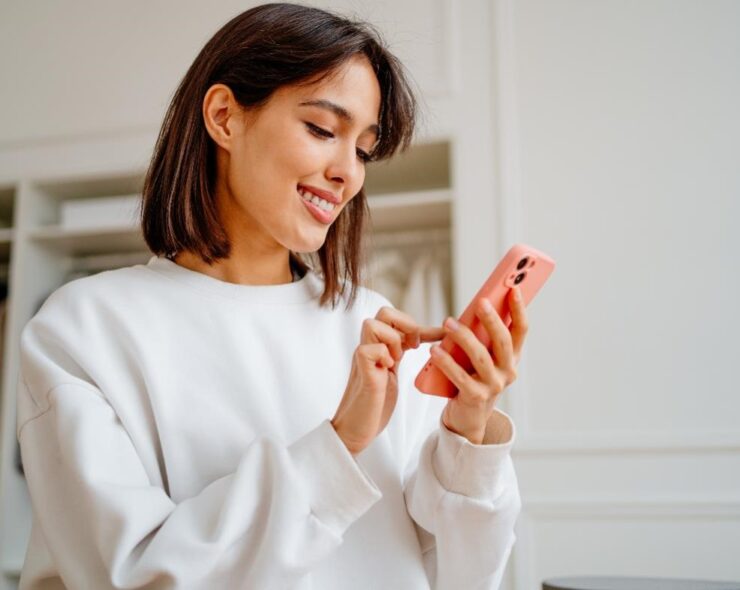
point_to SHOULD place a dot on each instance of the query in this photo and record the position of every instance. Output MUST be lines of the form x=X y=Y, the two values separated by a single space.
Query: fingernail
x=518 y=294
x=451 y=324
x=435 y=349
x=487 y=307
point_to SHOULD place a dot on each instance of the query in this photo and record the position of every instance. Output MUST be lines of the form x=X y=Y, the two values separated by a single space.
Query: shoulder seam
x=49 y=404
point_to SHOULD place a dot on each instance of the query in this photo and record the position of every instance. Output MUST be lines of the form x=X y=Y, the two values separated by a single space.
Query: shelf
x=424 y=166
x=89 y=186
x=420 y=209
x=89 y=241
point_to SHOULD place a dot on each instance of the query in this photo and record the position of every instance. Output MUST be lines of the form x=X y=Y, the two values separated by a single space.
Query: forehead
x=353 y=86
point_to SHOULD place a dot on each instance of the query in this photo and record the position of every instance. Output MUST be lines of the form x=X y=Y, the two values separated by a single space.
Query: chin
x=307 y=245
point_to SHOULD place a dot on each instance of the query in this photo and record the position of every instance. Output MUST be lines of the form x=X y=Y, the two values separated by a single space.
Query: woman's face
x=311 y=138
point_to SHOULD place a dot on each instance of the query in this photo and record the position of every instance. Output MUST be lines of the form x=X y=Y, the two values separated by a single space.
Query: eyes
x=324 y=134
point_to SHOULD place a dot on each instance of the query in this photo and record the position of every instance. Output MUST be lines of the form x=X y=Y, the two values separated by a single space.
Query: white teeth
x=320 y=203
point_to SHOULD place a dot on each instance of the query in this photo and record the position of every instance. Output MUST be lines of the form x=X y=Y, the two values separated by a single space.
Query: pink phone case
x=522 y=266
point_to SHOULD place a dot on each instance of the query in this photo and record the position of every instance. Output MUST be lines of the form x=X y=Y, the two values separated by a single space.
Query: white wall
x=85 y=68
x=615 y=130
x=627 y=170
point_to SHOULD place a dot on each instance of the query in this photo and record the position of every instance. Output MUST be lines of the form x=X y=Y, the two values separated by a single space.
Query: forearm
x=497 y=430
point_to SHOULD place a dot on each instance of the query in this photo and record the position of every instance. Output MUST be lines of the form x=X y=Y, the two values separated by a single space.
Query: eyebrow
x=338 y=110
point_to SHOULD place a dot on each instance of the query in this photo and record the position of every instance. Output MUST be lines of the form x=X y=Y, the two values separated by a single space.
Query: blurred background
x=605 y=133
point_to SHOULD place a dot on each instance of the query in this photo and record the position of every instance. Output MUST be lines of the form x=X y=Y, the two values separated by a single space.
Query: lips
x=326 y=195
x=325 y=217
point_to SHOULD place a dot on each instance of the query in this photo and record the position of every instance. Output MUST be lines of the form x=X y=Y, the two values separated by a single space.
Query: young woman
x=213 y=419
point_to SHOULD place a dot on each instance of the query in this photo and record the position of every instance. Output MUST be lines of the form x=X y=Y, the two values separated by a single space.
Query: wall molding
x=667 y=509
x=625 y=442
x=649 y=507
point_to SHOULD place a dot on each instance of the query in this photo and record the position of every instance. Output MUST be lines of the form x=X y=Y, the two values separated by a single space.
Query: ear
x=221 y=115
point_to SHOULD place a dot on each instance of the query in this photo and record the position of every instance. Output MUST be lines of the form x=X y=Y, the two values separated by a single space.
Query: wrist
x=475 y=436
x=351 y=450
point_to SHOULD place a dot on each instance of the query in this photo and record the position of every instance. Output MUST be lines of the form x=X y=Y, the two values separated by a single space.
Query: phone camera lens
x=522 y=263
x=519 y=278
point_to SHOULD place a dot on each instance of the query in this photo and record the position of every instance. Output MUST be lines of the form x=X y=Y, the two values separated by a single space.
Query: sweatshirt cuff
x=471 y=470
x=340 y=490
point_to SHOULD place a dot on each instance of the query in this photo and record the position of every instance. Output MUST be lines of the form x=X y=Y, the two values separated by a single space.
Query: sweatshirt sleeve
x=107 y=525
x=464 y=498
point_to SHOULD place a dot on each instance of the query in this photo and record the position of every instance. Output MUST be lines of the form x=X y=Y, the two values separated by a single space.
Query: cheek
x=265 y=170
x=360 y=182
x=304 y=155
x=293 y=156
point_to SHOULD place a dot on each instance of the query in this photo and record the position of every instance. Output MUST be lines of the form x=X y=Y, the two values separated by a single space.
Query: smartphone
x=522 y=266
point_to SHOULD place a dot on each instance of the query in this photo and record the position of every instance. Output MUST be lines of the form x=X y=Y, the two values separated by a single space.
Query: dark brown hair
x=254 y=54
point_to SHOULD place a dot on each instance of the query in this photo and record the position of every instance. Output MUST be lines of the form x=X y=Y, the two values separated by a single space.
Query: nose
x=345 y=169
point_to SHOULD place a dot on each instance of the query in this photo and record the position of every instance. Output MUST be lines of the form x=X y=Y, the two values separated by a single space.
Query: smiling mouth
x=319 y=214
x=322 y=204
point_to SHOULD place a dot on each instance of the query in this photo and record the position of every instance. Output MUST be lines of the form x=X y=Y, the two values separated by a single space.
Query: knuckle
x=383 y=311
x=497 y=383
x=439 y=359
x=479 y=396
x=480 y=357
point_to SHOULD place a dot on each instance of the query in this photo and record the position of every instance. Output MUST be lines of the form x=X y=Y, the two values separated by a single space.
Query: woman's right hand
x=372 y=388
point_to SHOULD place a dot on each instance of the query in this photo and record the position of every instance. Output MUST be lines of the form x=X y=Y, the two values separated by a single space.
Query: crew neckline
x=304 y=289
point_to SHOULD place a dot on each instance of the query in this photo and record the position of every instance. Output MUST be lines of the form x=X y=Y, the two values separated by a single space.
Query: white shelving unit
x=409 y=196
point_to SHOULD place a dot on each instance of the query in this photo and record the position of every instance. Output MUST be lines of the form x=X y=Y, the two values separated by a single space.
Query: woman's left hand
x=469 y=411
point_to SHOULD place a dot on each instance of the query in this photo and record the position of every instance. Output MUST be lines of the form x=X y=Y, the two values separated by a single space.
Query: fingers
x=519 y=323
x=375 y=331
x=375 y=355
x=474 y=349
x=431 y=333
x=501 y=344
x=413 y=333
x=500 y=370
x=453 y=371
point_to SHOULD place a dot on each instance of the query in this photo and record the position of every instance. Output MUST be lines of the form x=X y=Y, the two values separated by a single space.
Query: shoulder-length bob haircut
x=254 y=54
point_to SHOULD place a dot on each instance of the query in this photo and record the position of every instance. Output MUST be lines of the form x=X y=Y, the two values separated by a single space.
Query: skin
x=471 y=412
x=261 y=156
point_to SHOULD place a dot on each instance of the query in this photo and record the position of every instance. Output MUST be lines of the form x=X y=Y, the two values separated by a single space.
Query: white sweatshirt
x=175 y=433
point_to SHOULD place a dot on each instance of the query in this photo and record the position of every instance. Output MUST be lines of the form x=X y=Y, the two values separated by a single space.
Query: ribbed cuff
x=471 y=470
x=340 y=490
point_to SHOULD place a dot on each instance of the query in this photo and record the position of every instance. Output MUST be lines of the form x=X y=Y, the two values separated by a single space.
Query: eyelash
x=323 y=133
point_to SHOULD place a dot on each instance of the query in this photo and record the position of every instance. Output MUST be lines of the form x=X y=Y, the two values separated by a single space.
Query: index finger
x=432 y=333
x=412 y=331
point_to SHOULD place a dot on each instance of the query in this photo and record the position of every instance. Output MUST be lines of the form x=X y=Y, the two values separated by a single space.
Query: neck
x=239 y=271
